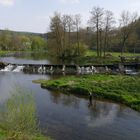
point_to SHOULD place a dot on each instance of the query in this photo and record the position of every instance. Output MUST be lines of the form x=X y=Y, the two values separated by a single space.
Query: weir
x=70 y=69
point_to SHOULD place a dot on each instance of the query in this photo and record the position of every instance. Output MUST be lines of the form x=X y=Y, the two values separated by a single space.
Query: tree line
x=103 y=33
x=21 y=42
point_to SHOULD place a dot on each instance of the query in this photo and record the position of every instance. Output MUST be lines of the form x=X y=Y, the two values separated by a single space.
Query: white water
x=86 y=70
x=10 y=68
x=130 y=72
x=18 y=69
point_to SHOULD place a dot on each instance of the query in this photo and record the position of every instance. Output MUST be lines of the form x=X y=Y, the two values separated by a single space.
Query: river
x=68 y=117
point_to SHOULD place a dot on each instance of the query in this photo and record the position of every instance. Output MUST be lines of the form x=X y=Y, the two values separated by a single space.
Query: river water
x=68 y=117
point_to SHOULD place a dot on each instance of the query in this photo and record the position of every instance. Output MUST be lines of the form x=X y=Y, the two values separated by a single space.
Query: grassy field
x=115 y=54
x=111 y=58
x=121 y=89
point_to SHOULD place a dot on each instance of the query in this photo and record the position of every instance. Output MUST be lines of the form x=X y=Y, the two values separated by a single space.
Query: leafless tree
x=65 y=20
x=96 y=20
x=57 y=28
x=127 y=24
x=77 y=22
x=70 y=27
x=108 y=22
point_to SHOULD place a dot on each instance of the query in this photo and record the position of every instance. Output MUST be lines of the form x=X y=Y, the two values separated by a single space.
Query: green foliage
x=122 y=89
x=110 y=58
x=75 y=50
x=20 y=42
x=38 y=43
x=18 y=119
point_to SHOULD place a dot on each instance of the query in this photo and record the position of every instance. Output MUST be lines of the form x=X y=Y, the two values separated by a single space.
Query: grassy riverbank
x=3 y=53
x=18 y=119
x=111 y=58
x=114 y=54
x=121 y=89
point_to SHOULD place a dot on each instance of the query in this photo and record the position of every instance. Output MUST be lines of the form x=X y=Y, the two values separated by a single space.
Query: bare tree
x=96 y=20
x=108 y=21
x=70 y=27
x=77 y=22
x=100 y=42
x=127 y=25
x=57 y=28
x=65 y=20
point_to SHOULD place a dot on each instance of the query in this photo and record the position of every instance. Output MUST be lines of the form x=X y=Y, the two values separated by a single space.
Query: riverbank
x=5 y=136
x=118 y=88
x=18 y=120
x=110 y=58
x=3 y=53
x=90 y=58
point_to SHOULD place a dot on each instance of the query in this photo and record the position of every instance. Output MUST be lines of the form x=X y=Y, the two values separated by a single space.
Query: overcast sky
x=34 y=15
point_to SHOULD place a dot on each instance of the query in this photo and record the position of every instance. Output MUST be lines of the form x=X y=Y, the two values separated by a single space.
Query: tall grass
x=18 y=120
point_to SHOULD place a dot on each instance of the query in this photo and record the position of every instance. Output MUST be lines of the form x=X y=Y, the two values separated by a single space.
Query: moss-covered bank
x=121 y=89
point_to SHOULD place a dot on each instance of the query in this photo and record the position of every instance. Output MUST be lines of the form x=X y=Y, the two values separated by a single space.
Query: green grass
x=91 y=53
x=115 y=54
x=2 y=53
x=121 y=89
x=18 y=119
x=111 y=58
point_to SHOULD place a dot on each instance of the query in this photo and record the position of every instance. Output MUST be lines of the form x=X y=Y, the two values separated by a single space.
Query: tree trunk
x=105 y=44
x=97 y=34
x=78 y=40
x=100 y=48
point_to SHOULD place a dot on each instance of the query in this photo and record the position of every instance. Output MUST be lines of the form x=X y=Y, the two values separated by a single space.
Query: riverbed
x=68 y=117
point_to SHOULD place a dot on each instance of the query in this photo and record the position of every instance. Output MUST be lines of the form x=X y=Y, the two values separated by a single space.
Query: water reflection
x=65 y=99
x=36 y=57
x=101 y=120
x=5 y=86
x=101 y=113
x=23 y=60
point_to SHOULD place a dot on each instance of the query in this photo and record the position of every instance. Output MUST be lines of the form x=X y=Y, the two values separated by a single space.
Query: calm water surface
x=67 y=117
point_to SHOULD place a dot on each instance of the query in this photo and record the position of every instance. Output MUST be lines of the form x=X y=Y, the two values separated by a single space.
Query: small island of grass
x=118 y=88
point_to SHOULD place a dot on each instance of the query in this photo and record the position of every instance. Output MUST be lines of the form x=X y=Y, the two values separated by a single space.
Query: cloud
x=7 y=2
x=69 y=1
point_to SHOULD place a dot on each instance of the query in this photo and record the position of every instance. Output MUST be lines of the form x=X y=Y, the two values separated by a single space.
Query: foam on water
x=18 y=69
x=8 y=68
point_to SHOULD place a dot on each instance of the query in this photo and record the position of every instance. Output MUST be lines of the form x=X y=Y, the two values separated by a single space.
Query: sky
x=34 y=15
